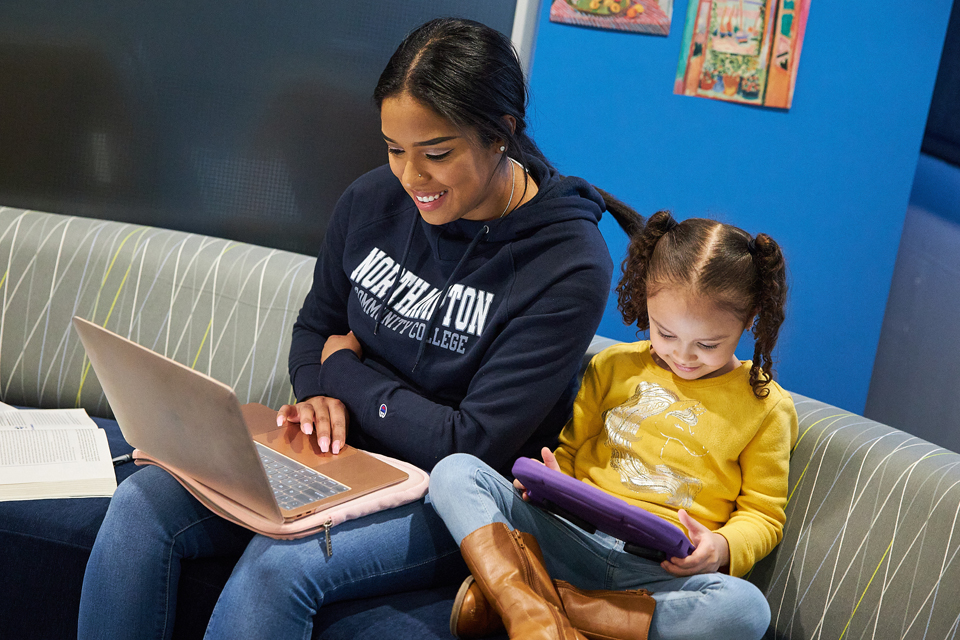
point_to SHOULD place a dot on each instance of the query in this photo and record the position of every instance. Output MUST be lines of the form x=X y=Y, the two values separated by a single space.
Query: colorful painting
x=743 y=51
x=641 y=16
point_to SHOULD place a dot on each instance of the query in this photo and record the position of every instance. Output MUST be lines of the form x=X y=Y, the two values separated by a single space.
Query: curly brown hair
x=741 y=274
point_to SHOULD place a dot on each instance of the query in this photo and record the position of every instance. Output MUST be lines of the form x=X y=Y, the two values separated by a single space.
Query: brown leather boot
x=510 y=573
x=598 y=614
x=608 y=615
x=472 y=615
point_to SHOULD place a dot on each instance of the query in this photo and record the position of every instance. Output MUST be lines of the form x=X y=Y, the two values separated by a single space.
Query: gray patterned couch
x=870 y=549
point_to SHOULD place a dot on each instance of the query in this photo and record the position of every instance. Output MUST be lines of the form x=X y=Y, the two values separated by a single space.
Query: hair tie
x=670 y=224
x=752 y=246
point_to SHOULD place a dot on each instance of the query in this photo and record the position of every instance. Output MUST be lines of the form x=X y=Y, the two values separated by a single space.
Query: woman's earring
x=502 y=148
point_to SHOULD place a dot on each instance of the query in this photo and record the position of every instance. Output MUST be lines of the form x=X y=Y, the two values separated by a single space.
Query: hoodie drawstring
x=433 y=316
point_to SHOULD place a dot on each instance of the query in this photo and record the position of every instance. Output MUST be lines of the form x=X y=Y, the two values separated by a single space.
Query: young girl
x=677 y=425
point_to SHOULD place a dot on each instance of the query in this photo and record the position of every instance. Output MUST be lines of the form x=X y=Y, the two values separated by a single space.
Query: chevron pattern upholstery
x=872 y=543
x=222 y=307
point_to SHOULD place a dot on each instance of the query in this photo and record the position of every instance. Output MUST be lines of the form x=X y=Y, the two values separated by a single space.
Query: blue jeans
x=468 y=495
x=276 y=588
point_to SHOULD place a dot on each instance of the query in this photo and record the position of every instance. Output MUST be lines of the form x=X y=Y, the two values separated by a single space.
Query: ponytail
x=771 y=299
x=629 y=220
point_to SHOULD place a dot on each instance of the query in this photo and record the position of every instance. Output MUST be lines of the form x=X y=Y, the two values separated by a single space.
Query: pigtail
x=632 y=288
x=771 y=299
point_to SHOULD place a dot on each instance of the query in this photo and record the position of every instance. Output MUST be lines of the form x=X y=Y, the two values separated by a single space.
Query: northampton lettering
x=413 y=301
x=412 y=328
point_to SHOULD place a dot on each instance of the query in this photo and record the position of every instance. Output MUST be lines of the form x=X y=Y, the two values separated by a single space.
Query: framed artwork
x=640 y=16
x=743 y=51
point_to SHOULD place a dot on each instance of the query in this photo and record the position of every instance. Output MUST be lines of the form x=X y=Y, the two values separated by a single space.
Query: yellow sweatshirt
x=663 y=443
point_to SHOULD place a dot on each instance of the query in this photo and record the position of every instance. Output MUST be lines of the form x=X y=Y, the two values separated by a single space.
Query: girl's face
x=692 y=336
x=448 y=174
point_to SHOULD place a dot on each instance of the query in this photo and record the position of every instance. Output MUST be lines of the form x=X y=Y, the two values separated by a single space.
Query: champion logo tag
x=383 y=411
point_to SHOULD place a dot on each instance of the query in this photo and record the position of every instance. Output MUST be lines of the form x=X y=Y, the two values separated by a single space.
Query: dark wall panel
x=243 y=119
x=942 y=136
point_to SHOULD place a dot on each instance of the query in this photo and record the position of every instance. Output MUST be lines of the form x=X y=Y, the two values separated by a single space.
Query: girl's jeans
x=468 y=495
x=130 y=585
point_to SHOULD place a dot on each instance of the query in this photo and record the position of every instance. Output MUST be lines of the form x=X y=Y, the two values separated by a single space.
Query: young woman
x=454 y=295
x=677 y=425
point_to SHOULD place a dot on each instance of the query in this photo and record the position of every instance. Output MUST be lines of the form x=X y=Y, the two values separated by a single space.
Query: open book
x=53 y=453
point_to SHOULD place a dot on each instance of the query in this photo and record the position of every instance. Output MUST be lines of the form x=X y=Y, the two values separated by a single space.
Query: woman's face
x=449 y=174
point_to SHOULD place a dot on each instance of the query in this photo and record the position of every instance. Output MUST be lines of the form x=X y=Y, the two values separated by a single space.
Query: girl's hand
x=329 y=415
x=711 y=553
x=549 y=460
x=337 y=343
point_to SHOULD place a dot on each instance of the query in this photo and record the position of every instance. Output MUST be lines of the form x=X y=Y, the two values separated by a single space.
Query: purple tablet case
x=590 y=508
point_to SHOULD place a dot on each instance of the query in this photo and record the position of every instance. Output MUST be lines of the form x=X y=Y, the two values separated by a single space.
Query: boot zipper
x=528 y=571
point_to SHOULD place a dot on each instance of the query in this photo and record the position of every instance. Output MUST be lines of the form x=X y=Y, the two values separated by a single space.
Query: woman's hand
x=328 y=415
x=549 y=460
x=711 y=553
x=337 y=343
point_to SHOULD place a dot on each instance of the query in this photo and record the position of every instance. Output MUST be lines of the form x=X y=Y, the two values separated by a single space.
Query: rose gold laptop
x=194 y=423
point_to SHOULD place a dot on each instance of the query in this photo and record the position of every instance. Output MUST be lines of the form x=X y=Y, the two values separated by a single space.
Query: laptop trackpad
x=356 y=469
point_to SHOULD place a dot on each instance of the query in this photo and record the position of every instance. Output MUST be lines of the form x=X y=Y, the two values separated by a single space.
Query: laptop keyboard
x=294 y=484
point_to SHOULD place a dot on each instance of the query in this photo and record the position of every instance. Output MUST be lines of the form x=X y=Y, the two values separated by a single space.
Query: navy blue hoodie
x=478 y=349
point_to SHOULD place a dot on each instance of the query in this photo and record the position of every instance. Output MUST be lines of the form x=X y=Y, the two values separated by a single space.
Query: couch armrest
x=598 y=344
x=871 y=536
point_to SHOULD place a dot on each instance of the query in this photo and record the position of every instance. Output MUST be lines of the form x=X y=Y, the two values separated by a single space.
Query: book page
x=32 y=419
x=54 y=455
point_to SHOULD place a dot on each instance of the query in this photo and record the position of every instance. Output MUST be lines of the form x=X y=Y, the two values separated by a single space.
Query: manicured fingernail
x=336 y=446
x=324 y=444
x=279 y=421
x=307 y=428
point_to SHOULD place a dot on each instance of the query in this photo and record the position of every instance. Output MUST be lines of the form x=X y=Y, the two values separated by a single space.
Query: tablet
x=591 y=509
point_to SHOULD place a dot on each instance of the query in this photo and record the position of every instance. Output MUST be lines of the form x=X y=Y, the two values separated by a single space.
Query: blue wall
x=829 y=179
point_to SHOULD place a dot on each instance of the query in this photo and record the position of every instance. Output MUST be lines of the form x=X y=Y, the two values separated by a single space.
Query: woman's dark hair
x=470 y=74
x=743 y=275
